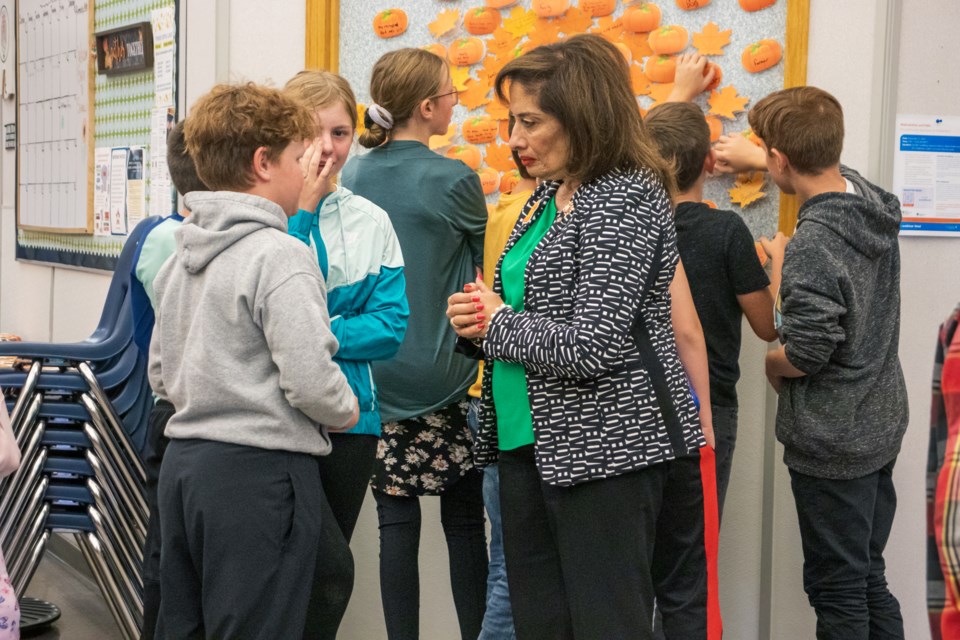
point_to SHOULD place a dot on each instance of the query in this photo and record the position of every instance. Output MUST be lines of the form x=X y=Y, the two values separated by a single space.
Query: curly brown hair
x=229 y=124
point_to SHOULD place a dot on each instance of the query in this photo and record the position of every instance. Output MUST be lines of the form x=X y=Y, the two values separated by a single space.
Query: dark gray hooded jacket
x=840 y=324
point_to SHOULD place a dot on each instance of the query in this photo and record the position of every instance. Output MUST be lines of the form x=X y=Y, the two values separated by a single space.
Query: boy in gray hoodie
x=238 y=350
x=842 y=410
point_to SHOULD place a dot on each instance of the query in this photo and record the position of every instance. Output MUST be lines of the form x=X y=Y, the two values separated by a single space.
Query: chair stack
x=79 y=415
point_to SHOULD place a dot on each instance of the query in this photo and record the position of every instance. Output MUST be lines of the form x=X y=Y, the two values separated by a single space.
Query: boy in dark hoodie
x=239 y=495
x=842 y=410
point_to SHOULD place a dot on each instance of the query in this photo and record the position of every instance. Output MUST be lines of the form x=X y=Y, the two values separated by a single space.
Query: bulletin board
x=91 y=148
x=734 y=34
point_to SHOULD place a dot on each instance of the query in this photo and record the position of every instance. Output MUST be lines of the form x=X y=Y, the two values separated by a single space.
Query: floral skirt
x=9 y=610
x=424 y=455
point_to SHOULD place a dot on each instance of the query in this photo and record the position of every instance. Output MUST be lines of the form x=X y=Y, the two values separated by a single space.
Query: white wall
x=760 y=560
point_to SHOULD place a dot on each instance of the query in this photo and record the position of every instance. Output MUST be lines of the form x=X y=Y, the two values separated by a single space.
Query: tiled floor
x=84 y=613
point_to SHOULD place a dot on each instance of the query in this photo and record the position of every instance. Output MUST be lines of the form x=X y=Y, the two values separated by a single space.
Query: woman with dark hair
x=585 y=400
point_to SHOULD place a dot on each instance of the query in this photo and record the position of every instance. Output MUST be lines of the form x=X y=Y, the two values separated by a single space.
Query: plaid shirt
x=943 y=487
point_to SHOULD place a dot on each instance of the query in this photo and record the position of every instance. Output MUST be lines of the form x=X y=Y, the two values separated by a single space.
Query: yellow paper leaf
x=438 y=142
x=460 y=75
x=499 y=157
x=574 y=21
x=726 y=102
x=361 y=111
x=711 y=41
x=501 y=42
x=659 y=91
x=748 y=188
x=446 y=21
x=520 y=22
x=640 y=81
x=475 y=95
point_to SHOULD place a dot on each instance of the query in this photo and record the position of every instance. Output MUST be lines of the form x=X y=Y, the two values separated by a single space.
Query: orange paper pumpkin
x=489 y=180
x=716 y=127
x=661 y=68
x=469 y=154
x=390 y=23
x=500 y=4
x=509 y=181
x=466 y=51
x=717 y=77
x=481 y=21
x=480 y=130
x=436 y=49
x=669 y=39
x=761 y=55
x=642 y=19
x=550 y=8
x=598 y=8
x=690 y=5
x=756 y=5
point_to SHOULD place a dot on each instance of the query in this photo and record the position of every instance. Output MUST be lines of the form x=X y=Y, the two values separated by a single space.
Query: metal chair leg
x=129 y=493
x=10 y=485
x=34 y=535
x=19 y=498
x=114 y=420
x=26 y=392
x=16 y=542
x=23 y=580
x=92 y=553
x=123 y=540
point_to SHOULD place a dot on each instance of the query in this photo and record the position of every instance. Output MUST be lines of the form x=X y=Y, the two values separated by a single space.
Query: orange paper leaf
x=520 y=22
x=501 y=42
x=475 y=95
x=438 y=142
x=659 y=91
x=726 y=102
x=637 y=43
x=446 y=21
x=496 y=109
x=748 y=188
x=545 y=31
x=459 y=75
x=499 y=157
x=640 y=81
x=574 y=21
x=711 y=41
x=609 y=27
x=361 y=111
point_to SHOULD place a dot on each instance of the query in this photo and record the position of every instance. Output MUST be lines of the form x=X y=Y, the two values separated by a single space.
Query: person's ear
x=427 y=109
x=710 y=162
x=261 y=164
x=780 y=161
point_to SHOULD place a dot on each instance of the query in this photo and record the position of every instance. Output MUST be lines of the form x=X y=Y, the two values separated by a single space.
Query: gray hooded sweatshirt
x=840 y=324
x=242 y=344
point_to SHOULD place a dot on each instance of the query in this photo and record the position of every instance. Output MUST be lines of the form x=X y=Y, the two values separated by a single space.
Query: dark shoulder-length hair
x=584 y=82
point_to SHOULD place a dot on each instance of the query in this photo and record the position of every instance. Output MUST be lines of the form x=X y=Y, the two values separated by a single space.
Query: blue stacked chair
x=79 y=413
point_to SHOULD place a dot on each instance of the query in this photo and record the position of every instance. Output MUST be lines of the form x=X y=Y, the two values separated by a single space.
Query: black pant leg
x=332 y=579
x=152 y=460
x=461 y=514
x=537 y=594
x=345 y=474
x=250 y=524
x=605 y=532
x=886 y=620
x=725 y=430
x=399 y=519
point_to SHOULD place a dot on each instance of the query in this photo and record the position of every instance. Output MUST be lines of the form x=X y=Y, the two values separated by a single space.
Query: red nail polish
x=475 y=298
x=480 y=326
x=480 y=316
x=479 y=307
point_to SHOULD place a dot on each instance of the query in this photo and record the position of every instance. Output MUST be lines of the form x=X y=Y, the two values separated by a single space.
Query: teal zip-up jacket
x=361 y=261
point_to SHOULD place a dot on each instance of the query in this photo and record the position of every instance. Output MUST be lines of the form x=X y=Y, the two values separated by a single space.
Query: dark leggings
x=344 y=475
x=461 y=514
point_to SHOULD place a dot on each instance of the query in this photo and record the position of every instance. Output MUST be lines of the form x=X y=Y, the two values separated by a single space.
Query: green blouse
x=514 y=425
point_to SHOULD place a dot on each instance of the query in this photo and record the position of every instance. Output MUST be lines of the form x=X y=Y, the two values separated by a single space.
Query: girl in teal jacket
x=360 y=258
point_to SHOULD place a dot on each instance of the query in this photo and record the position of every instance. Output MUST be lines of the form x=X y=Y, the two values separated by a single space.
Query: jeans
x=461 y=514
x=725 y=429
x=844 y=526
x=153 y=457
x=498 y=620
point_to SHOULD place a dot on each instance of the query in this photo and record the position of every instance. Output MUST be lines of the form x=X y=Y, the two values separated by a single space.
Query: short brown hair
x=584 y=82
x=683 y=137
x=318 y=89
x=183 y=172
x=803 y=123
x=229 y=124
x=399 y=82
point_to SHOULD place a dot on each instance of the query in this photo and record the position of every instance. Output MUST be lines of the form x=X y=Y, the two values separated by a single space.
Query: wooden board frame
x=323 y=51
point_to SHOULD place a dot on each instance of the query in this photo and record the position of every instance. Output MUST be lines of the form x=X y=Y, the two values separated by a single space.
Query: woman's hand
x=317 y=182
x=469 y=311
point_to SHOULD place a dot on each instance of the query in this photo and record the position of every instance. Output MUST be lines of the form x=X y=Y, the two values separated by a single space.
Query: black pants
x=725 y=430
x=579 y=558
x=239 y=526
x=152 y=458
x=844 y=526
x=344 y=475
x=461 y=514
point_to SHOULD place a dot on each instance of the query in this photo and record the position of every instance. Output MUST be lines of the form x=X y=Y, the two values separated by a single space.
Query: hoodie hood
x=869 y=221
x=218 y=220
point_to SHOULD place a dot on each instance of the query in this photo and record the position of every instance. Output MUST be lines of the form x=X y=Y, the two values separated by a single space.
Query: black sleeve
x=744 y=268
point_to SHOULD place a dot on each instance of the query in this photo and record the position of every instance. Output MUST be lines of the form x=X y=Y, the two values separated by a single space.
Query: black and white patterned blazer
x=591 y=396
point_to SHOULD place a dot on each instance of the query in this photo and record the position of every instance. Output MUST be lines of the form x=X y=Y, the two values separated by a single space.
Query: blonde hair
x=318 y=89
x=229 y=124
x=400 y=81
x=584 y=82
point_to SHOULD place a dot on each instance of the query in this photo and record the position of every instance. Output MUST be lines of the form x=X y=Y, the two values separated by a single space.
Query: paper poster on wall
x=161 y=195
x=118 y=191
x=926 y=174
x=101 y=191
x=8 y=67
x=164 y=34
x=136 y=196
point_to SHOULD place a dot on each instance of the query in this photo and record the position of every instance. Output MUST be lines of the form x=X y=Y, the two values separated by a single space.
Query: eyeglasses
x=454 y=93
